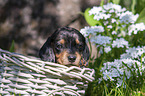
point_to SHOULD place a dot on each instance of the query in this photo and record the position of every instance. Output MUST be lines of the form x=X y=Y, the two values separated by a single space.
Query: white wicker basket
x=26 y=76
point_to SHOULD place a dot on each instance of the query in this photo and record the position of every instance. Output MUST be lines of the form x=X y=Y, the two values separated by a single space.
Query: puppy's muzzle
x=71 y=58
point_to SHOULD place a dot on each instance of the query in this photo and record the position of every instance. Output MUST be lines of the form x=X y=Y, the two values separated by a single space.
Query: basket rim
x=46 y=67
x=45 y=70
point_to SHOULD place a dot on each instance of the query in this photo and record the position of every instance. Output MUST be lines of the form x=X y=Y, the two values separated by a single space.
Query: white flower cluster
x=115 y=70
x=133 y=52
x=107 y=49
x=113 y=8
x=99 y=13
x=128 y=17
x=115 y=18
x=135 y=28
x=101 y=40
x=120 y=43
x=114 y=32
x=143 y=61
x=107 y=12
x=93 y=30
x=96 y=10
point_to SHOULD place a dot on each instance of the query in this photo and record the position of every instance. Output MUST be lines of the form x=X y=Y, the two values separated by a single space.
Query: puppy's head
x=66 y=46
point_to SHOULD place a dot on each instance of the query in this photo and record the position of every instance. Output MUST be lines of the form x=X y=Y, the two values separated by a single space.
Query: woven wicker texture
x=26 y=76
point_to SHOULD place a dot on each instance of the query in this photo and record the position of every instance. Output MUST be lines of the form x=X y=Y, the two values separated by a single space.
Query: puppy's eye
x=80 y=47
x=59 y=46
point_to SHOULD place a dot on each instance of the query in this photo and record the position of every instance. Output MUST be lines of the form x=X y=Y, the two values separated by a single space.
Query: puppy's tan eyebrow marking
x=62 y=41
x=77 y=41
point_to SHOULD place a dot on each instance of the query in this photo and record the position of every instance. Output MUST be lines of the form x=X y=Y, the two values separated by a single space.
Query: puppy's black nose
x=71 y=58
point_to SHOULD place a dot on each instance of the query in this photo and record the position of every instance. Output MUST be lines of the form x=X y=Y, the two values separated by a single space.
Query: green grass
x=105 y=89
x=133 y=86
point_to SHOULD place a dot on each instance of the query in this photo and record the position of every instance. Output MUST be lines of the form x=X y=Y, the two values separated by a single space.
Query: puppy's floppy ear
x=46 y=52
x=86 y=53
x=85 y=56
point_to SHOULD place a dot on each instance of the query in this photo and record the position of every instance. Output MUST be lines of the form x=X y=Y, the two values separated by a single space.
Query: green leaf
x=141 y=17
x=102 y=3
x=90 y=18
x=116 y=1
x=12 y=46
x=140 y=5
x=133 y=6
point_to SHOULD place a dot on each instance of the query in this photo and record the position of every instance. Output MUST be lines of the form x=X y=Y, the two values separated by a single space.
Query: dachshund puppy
x=66 y=46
